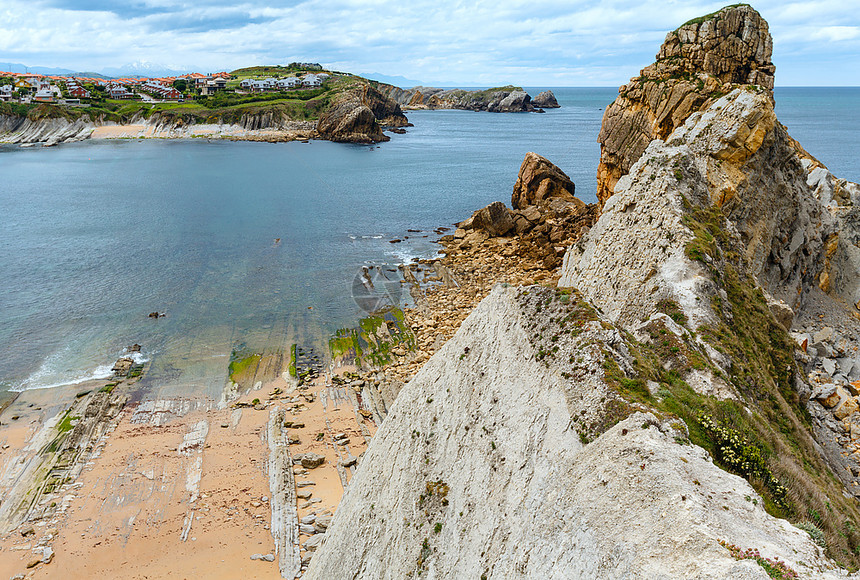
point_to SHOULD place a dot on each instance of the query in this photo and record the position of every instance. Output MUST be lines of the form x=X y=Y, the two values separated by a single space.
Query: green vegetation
x=374 y=339
x=710 y=16
x=292 y=368
x=65 y=424
x=241 y=365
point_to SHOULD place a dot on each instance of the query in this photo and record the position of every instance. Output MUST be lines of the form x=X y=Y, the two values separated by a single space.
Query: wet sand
x=179 y=488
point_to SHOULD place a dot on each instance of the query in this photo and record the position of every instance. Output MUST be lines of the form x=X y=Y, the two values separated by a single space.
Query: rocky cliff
x=502 y=459
x=357 y=116
x=683 y=395
x=496 y=100
x=698 y=63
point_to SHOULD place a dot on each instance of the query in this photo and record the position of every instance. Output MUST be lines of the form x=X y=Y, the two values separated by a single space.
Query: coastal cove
x=100 y=233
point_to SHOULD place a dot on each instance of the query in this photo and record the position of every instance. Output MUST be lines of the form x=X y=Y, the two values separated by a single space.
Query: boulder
x=540 y=179
x=546 y=100
x=495 y=219
x=312 y=460
x=699 y=62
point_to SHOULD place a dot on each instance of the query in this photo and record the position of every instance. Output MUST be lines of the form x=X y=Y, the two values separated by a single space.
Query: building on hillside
x=7 y=92
x=312 y=80
x=117 y=91
x=288 y=83
x=44 y=95
x=78 y=92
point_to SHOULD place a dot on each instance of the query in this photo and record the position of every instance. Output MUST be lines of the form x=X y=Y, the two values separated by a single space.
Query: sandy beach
x=187 y=487
x=176 y=488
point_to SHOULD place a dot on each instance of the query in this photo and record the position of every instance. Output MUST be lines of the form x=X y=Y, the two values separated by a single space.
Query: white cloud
x=521 y=41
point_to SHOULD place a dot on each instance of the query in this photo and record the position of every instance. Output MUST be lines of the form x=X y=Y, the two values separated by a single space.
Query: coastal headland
x=272 y=104
x=662 y=384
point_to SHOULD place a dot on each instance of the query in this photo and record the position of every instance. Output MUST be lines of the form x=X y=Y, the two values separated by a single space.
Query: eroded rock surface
x=540 y=179
x=698 y=63
x=480 y=470
x=496 y=100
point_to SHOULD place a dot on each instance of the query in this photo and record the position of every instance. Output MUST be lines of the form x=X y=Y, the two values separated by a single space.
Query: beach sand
x=177 y=488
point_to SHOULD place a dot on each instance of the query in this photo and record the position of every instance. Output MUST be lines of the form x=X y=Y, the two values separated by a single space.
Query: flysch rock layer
x=735 y=156
x=478 y=472
x=699 y=62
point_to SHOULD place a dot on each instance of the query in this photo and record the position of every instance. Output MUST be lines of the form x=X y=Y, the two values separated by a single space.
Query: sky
x=481 y=43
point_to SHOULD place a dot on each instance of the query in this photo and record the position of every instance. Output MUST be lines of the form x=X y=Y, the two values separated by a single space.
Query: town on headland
x=297 y=101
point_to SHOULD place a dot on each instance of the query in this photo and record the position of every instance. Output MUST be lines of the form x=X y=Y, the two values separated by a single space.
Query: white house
x=312 y=81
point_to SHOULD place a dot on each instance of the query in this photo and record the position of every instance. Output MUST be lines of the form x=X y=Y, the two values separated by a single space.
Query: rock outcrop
x=357 y=116
x=546 y=100
x=550 y=437
x=481 y=470
x=539 y=179
x=734 y=156
x=699 y=62
x=496 y=100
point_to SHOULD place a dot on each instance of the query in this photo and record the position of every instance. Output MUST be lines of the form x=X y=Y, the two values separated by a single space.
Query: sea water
x=253 y=246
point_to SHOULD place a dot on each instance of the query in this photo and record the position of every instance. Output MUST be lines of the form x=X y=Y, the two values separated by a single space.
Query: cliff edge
x=699 y=62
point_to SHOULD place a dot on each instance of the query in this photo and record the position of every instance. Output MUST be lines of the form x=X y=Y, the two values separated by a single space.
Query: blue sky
x=525 y=42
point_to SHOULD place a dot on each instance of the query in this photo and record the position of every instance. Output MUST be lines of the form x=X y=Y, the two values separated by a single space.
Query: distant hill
x=17 y=67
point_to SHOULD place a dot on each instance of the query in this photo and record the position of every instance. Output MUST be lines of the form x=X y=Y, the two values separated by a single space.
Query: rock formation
x=496 y=100
x=482 y=469
x=546 y=100
x=699 y=62
x=355 y=117
x=551 y=436
x=538 y=180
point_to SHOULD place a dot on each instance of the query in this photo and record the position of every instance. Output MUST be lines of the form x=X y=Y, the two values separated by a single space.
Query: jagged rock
x=263 y=557
x=495 y=220
x=734 y=156
x=540 y=179
x=322 y=523
x=351 y=121
x=546 y=100
x=314 y=542
x=353 y=116
x=698 y=62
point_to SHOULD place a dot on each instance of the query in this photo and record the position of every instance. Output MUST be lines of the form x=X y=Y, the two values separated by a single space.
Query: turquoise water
x=96 y=235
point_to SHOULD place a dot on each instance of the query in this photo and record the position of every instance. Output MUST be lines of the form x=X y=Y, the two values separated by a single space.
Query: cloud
x=480 y=42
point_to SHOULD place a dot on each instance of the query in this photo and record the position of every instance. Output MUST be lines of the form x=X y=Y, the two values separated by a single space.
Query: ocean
x=96 y=235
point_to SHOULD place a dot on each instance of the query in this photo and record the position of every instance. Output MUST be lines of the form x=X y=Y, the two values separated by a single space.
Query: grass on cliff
x=712 y=15
x=766 y=436
x=772 y=418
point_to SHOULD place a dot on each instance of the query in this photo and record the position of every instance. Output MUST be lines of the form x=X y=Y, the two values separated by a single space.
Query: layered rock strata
x=539 y=179
x=699 y=62
x=495 y=100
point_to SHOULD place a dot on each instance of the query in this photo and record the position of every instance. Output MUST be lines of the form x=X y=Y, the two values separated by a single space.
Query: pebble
x=263 y=557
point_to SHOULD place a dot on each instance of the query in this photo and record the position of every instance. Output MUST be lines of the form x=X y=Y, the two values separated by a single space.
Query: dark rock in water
x=395 y=241
x=540 y=179
x=398 y=130
x=546 y=100
x=153 y=314
x=133 y=348
x=356 y=116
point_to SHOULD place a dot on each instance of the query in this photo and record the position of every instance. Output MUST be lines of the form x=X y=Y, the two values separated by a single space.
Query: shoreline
x=187 y=477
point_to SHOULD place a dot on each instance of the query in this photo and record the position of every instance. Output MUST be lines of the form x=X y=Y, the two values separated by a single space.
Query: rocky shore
x=676 y=400
x=508 y=99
